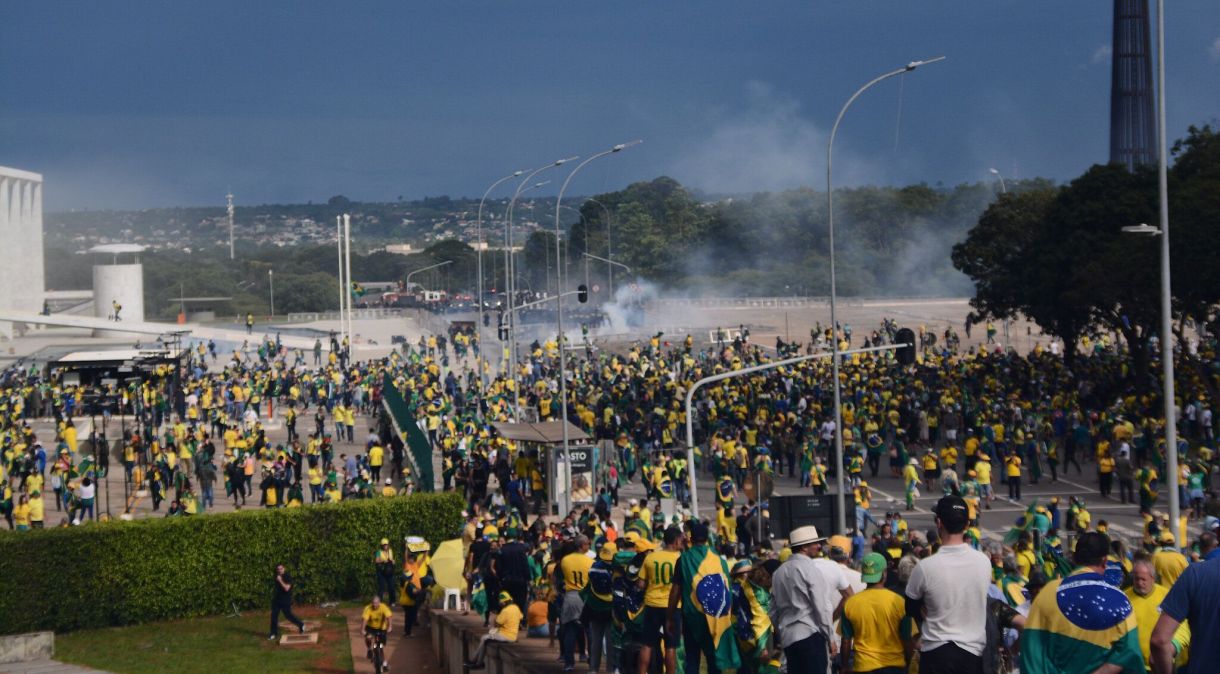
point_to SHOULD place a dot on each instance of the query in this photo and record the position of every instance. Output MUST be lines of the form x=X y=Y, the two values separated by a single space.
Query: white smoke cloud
x=1102 y=54
x=769 y=146
x=1213 y=50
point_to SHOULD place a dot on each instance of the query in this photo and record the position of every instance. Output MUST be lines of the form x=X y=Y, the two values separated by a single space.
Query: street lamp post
x=342 y=278
x=1162 y=171
x=347 y=261
x=609 y=262
x=609 y=253
x=566 y=506
x=996 y=173
x=429 y=267
x=834 y=331
x=478 y=362
x=271 y=286
x=511 y=277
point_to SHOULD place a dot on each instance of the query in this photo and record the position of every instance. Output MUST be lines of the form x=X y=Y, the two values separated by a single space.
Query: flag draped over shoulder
x=1079 y=624
x=707 y=598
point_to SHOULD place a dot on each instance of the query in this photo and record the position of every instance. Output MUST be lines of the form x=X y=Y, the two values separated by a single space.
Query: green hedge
x=119 y=573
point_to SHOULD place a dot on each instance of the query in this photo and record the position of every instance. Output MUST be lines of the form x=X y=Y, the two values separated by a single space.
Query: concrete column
x=27 y=201
x=4 y=200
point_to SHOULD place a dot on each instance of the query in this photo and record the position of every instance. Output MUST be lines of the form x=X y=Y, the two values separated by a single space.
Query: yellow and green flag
x=707 y=601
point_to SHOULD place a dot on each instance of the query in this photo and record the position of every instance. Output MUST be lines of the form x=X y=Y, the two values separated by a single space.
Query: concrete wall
x=27 y=647
x=122 y=282
x=456 y=637
x=22 y=281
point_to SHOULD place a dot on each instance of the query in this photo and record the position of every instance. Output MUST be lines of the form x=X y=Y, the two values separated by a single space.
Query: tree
x=1005 y=255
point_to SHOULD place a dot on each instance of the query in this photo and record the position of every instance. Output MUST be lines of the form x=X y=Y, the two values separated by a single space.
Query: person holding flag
x=751 y=609
x=703 y=592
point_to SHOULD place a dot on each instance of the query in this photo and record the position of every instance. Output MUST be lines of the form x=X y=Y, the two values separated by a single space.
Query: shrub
x=119 y=573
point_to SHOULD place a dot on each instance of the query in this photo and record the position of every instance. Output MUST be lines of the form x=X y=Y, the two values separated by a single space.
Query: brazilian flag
x=641 y=527
x=1078 y=624
x=707 y=598
x=357 y=290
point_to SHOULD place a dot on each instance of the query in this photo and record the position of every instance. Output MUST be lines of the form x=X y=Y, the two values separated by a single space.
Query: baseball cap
x=606 y=554
x=872 y=568
x=642 y=544
x=385 y=541
x=952 y=511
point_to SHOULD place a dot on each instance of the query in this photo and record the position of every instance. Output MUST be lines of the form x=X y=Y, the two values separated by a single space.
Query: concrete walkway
x=402 y=653
x=45 y=667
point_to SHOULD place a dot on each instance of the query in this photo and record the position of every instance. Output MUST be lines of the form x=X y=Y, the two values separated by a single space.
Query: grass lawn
x=209 y=645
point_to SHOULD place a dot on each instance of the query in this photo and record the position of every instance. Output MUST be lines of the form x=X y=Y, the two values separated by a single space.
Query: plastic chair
x=459 y=604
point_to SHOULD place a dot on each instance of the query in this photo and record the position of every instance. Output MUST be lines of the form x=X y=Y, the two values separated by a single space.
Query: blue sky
x=153 y=103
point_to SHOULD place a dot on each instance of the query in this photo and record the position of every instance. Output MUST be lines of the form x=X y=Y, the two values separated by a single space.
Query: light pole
x=511 y=276
x=347 y=257
x=690 y=397
x=342 y=279
x=566 y=506
x=1162 y=173
x=271 y=285
x=434 y=266
x=478 y=362
x=996 y=173
x=609 y=262
x=834 y=330
x=609 y=254
x=1168 y=385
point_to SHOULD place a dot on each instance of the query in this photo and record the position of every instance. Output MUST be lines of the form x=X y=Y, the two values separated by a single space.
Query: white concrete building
x=118 y=277
x=22 y=281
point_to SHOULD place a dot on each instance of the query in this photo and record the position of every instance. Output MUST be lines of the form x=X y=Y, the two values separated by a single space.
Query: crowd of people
x=959 y=420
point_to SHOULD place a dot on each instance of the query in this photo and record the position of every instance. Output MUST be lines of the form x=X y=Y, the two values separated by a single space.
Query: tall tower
x=1132 y=135
x=229 y=197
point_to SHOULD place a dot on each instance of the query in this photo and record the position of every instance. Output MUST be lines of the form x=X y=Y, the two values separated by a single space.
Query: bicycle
x=378 y=651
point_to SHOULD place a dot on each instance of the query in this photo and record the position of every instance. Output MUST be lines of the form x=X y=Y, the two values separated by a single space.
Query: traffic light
x=582 y=293
x=503 y=333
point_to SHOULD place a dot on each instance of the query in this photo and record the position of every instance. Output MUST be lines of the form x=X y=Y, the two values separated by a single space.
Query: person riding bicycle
x=377 y=618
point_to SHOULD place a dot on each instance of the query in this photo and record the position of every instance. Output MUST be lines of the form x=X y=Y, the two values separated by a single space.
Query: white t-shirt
x=830 y=594
x=953 y=586
x=853 y=579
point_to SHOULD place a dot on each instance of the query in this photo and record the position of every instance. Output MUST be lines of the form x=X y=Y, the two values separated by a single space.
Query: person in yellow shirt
x=1012 y=470
x=1105 y=472
x=876 y=627
x=1146 y=596
x=1168 y=562
x=376 y=460
x=376 y=623
x=508 y=624
x=388 y=490
x=982 y=472
x=657 y=576
x=21 y=514
x=37 y=509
